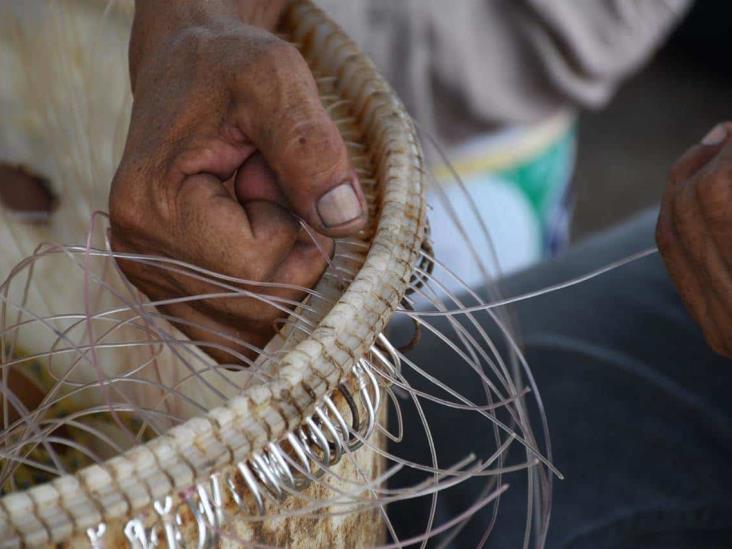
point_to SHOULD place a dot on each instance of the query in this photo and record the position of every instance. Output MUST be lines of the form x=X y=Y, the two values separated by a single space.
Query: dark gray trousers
x=639 y=410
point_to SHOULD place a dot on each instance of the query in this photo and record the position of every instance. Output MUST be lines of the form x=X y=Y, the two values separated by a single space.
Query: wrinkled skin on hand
x=228 y=147
x=694 y=234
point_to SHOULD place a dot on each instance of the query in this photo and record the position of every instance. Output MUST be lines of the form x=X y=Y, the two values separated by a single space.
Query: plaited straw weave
x=128 y=484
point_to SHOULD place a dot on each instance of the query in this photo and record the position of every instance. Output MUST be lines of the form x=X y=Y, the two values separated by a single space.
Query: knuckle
x=274 y=51
x=264 y=54
x=191 y=39
x=271 y=74
x=714 y=194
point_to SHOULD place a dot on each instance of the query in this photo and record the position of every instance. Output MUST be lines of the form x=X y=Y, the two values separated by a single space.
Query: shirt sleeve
x=587 y=47
x=467 y=65
x=514 y=61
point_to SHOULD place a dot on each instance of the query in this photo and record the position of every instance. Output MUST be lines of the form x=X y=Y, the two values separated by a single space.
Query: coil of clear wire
x=272 y=473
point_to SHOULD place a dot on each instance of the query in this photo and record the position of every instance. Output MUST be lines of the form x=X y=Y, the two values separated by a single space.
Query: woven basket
x=156 y=490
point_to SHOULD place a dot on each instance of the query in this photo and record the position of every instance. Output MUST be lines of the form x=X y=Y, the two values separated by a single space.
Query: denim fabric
x=639 y=410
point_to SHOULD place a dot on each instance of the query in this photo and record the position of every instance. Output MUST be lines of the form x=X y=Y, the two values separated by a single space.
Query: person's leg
x=638 y=409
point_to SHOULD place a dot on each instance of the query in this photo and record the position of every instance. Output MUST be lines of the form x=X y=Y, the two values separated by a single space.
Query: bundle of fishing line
x=120 y=431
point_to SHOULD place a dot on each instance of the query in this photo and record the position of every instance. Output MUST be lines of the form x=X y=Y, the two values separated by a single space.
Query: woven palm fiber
x=64 y=106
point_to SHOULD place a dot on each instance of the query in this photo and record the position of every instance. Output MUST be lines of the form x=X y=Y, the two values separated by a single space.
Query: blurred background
x=625 y=150
x=499 y=83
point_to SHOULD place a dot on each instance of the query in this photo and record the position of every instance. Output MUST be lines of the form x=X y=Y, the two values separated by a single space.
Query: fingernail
x=716 y=136
x=339 y=206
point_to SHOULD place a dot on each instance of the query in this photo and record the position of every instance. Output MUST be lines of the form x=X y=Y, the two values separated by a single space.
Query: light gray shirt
x=465 y=66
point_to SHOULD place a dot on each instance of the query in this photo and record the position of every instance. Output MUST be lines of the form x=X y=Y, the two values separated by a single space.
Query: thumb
x=301 y=143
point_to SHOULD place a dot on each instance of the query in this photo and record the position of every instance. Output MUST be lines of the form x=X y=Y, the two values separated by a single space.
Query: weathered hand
x=227 y=140
x=694 y=234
